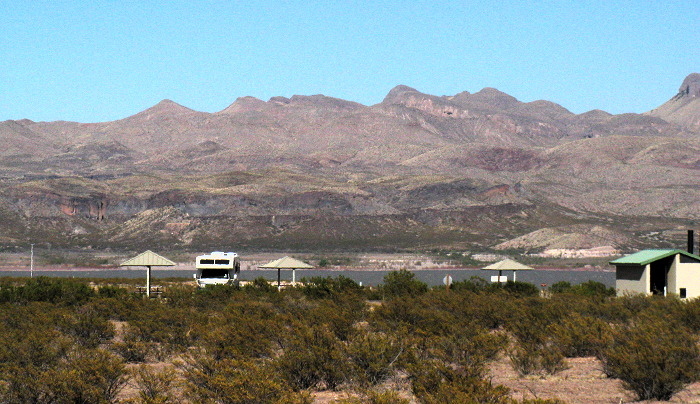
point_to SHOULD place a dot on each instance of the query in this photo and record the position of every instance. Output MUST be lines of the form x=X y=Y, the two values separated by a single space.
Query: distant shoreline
x=187 y=268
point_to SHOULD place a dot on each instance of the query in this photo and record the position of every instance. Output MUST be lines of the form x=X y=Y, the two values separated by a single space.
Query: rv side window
x=206 y=261
x=683 y=293
x=221 y=262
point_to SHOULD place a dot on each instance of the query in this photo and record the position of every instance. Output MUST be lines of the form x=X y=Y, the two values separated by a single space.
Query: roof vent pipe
x=691 y=241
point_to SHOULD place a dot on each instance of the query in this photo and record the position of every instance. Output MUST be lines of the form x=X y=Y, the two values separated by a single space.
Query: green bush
x=328 y=287
x=238 y=335
x=517 y=288
x=373 y=357
x=231 y=381
x=437 y=383
x=470 y=349
x=653 y=358
x=560 y=287
x=579 y=336
x=535 y=358
x=155 y=386
x=84 y=376
x=88 y=327
x=402 y=283
x=45 y=289
x=588 y=288
x=474 y=284
x=315 y=358
x=375 y=397
x=535 y=349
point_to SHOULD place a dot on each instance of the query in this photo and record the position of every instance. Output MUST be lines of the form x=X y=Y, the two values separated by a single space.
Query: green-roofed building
x=658 y=272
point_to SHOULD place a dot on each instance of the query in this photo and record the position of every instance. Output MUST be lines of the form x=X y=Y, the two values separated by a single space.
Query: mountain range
x=470 y=171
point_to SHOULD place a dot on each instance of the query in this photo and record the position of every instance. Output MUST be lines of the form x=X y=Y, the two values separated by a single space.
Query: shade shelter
x=286 y=263
x=507 y=265
x=148 y=259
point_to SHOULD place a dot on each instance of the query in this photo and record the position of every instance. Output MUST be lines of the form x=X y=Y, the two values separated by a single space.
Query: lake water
x=433 y=277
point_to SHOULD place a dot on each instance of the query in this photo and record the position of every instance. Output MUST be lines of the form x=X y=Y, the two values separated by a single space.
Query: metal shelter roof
x=645 y=257
x=507 y=265
x=286 y=263
x=148 y=259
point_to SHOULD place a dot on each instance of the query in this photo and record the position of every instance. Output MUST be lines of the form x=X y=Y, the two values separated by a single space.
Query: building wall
x=687 y=277
x=632 y=279
x=672 y=281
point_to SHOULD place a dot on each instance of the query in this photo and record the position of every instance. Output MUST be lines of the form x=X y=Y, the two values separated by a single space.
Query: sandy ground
x=583 y=382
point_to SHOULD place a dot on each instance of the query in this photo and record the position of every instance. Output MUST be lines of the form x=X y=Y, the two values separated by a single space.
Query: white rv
x=217 y=268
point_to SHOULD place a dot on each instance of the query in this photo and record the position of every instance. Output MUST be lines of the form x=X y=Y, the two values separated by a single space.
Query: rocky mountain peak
x=241 y=104
x=163 y=108
x=397 y=93
x=322 y=101
x=690 y=86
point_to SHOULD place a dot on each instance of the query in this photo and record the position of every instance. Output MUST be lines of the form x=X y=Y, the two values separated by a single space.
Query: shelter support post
x=148 y=281
x=279 y=280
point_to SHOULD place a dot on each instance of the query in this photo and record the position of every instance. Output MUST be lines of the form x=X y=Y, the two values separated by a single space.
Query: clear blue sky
x=104 y=60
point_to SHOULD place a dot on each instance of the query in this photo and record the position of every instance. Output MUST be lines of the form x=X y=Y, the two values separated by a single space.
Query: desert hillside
x=466 y=171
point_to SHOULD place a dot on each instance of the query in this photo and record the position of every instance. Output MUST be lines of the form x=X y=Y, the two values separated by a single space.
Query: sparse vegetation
x=61 y=338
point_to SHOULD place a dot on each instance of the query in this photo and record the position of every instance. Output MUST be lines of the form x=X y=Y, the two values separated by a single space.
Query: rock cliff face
x=684 y=107
x=417 y=170
x=690 y=87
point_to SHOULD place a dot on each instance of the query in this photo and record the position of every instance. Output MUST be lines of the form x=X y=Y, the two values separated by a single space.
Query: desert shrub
x=339 y=315
x=45 y=289
x=474 y=284
x=155 y=386
x=588 y=288
x=375 y=397
x=87 y=327
x=313 y=358
x=261 y=285
x=491 y=311
x=132 y=348
x=91 y=376
x=211 y=296
x=413 y=316
x=372 y=357
x=237 y=335
x=169 y=327
x=578 y=336
x=29 y=336
x=535 y=350
x=328 y=287
x=402 y=283
x=84 y=376
x=653 y=358
x=121 y=308
x=436 y=383
x=561 y=287
x=470 y=349
x=624 y=308
x=517 y=288
x=111 y=291
x=689 y=314
x=593 y=288
x=535 y=358
x=231 y=381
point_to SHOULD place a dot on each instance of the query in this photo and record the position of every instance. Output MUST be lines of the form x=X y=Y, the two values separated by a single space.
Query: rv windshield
x=215 y=273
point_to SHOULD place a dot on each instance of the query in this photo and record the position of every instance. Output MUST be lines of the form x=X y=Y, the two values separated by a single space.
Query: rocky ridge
x=414 y=171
